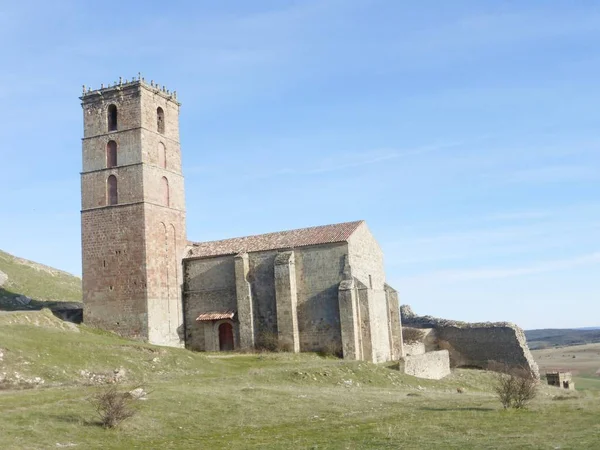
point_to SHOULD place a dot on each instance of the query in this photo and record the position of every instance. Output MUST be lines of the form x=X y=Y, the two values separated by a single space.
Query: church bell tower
x=132 y=211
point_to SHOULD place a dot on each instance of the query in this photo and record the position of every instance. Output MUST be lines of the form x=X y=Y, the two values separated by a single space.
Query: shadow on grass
x=467 y=408
x=65 y=310
x=75 y=419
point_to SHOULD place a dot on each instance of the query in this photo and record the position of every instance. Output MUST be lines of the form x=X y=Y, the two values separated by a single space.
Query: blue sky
x=466 y=134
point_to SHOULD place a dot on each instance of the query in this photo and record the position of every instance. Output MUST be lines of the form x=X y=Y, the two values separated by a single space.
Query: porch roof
x=216 y=315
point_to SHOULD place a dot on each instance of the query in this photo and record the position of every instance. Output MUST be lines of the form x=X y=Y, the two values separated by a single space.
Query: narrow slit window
x=160 y=120
x=112 y=118
x=111 y=188
x=111 y=154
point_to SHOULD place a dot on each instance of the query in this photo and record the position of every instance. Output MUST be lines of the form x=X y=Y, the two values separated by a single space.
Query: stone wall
x=394 y=322
x=482 y=345
x=210 y=285
x=367 y=266
x=319 y=272
x=432 y=365
x=114 y=269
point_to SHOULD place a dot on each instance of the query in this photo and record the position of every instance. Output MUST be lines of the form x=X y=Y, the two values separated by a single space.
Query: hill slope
x=551 y=337
x=279 y=401
x=20 y=277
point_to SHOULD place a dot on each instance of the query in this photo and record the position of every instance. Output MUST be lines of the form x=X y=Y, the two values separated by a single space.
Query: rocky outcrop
x=487 y=345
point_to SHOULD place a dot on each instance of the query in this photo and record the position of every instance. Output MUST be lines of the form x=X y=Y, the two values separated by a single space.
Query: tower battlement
x=89 y=94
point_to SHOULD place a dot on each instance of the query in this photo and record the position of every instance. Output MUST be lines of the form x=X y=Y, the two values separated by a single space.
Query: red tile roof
x=217 y=315
x=302 y=237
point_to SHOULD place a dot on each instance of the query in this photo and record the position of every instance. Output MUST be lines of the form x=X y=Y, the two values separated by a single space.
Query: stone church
x=311 y=289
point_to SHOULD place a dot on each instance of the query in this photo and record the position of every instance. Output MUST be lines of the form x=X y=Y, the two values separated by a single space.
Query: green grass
x=37 y=281
x=263 y=400
x=586 y=383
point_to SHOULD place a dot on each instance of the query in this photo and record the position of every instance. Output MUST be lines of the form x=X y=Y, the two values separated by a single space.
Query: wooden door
x=225 y=337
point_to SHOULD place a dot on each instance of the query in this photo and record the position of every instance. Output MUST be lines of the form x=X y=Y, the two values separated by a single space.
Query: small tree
x=515 y=387
x=412 y=335
x=113 y=406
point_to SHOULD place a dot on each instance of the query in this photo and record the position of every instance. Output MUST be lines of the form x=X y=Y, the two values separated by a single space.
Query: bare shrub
x=515 y=387
x=411 y=335
x=285 y=345
x=331 y=349
x=269 y=342
x=113 y=406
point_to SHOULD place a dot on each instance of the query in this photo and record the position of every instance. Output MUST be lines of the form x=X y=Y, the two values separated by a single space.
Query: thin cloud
x=531 y=269
x=554 y=174
x=351 y=160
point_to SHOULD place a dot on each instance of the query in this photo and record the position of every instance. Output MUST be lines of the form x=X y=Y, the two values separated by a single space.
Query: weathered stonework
x=132 y=249
x=432 y=365
x=349 y=320
x=313 y=289
x=483 y=345
x=306 y=296
x=287 y=301
x=243 y=292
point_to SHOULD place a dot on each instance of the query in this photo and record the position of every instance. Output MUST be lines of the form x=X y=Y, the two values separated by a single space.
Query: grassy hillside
x=550 y=337
x=21 y=277
x=259 y=400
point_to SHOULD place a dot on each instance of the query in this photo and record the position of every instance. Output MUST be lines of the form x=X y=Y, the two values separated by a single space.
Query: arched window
x=160 y=120
x=164 y=187
x=111 y=154
x=111 y=190
x=112 y=118
x=162 y=155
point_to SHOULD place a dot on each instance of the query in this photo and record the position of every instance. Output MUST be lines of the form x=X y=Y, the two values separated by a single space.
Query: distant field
x=551 y=337
x=583 y=361
x=279 y=401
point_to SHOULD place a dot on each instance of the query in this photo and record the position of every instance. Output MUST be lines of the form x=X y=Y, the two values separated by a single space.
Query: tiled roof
x=302 y=237
x=216 y=315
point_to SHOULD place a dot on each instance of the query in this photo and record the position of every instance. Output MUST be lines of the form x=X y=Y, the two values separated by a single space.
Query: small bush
x=267 y=341
x=515 y=387
x=331 y=349
x=270 y=342
x=411 y=335
x=113 y=406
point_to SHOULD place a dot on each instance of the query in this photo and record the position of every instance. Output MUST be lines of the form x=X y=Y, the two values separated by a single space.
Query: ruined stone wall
x=432 y=365
x=479 y=345
x=476 y=344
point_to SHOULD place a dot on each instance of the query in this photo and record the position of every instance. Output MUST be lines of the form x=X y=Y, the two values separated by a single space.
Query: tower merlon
x=90 y=94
